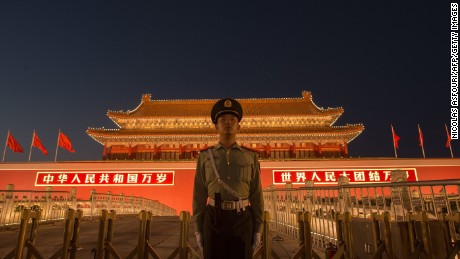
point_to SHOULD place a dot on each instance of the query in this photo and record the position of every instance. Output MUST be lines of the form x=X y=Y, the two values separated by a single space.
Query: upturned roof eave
x=330 y=112
x=347 y=137
x=147 y=101
x=345 y=130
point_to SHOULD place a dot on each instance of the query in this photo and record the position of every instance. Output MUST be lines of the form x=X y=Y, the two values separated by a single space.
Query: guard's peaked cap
x=226 y=106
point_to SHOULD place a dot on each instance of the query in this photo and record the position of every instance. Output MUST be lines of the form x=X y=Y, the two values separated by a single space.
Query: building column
x=320 y=150
x=181 y=151
x=267 y=150
x=345 y=149
x=292 y=149
x=157 y=152
x=130 y=151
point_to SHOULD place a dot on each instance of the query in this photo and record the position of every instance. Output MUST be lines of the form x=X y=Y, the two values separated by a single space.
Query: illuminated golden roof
x=302 y=106
x=268 y=118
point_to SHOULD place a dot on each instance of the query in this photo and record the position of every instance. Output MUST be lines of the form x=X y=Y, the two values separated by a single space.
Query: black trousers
x=229 y=237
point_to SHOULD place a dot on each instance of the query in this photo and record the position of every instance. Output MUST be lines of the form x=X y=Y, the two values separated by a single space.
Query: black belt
x=230 y=205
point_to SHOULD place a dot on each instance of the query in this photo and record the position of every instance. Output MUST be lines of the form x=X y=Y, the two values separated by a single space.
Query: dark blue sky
x=64 y=64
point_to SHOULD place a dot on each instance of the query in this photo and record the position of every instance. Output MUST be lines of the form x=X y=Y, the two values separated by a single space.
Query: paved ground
x=164 y=238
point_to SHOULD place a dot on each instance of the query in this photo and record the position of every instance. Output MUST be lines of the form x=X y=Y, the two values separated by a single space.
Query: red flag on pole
x=13 y=144
x=448 y=137
x=420 y=140
x=395 y=141
x=395 y=138
x=36 y=142
x=64 y=142
x=420 y=136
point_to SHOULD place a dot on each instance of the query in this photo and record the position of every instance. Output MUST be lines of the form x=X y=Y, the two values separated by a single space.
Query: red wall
x=179 y=196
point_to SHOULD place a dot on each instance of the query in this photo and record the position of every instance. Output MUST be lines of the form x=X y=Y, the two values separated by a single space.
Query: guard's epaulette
x=250 y=149
x=204 y=149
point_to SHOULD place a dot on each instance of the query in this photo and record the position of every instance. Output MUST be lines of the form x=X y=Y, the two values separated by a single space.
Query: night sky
x=64 y=64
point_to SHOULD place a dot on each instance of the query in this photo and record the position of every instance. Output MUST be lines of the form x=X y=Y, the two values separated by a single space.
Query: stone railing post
x=109 y=200
x=344 y=194
x=276 y=209
x=273 y=204
x=7 y=214
x=290 y=219
x=309 y=196
x=92 y=200
x=132 y=204
x=122 y=203
x=48 y=208
x=400 y=195
x=73 y=198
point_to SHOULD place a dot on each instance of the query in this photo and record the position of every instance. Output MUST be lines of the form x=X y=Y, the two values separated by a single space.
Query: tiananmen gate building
x=277 y=128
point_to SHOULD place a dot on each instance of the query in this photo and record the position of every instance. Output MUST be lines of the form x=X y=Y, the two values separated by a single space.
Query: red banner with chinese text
x=104 y=178
x=299 y=176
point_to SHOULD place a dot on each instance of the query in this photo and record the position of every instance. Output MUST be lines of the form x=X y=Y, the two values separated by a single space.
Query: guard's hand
x=199 y=240
x=257 y=241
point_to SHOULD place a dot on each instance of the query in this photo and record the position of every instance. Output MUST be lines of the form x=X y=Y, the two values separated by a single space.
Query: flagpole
x=57 y=145
x=423 y=151
x=420 y=137
x=6 y=143
x=393 y=136
x=31 y=144
x=450 y=146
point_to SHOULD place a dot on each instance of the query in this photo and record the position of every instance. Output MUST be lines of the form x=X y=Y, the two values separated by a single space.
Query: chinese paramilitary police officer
x=227 y=194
